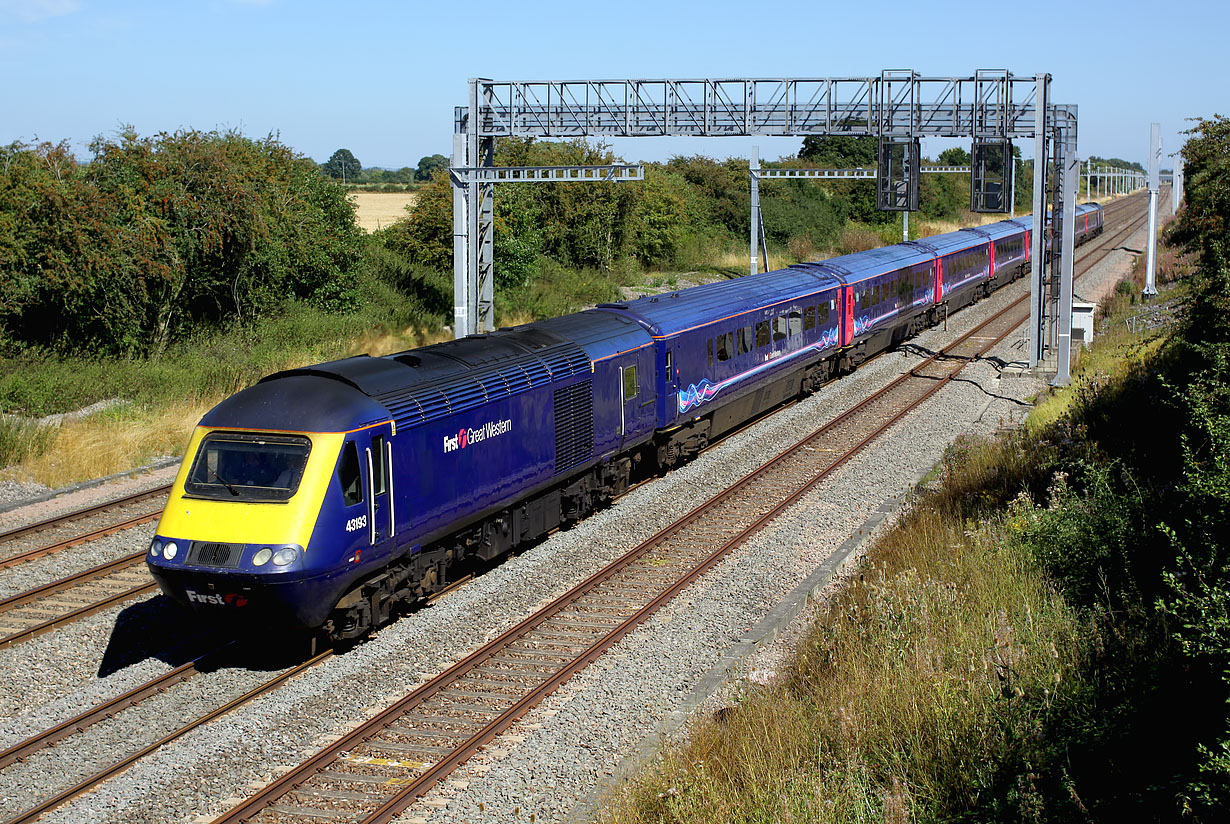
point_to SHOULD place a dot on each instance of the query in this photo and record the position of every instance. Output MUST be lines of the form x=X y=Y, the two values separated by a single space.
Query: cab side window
x=348 y=475
x=378 y=471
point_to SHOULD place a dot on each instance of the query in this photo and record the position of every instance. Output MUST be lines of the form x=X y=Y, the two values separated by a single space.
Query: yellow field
x=379 y=209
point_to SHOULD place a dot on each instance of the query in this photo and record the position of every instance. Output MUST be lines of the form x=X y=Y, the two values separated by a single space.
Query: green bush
x=156 y=236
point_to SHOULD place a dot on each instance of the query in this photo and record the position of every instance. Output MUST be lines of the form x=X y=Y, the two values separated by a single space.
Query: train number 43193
x=356 y=523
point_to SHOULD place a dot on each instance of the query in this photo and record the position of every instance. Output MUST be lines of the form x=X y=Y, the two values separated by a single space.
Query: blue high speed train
x=331 y=496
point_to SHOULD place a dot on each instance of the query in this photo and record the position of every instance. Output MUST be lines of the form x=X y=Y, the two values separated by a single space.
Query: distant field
x=379 y=209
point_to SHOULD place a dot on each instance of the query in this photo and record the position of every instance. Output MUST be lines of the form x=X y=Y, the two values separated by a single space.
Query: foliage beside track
x=688 y=214
x=1046 y=637
x=154 y=237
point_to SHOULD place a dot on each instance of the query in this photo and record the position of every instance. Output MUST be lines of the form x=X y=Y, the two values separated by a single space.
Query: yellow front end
x=241 y=522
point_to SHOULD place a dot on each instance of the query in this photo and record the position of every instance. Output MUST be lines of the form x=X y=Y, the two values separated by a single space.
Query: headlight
x=169 y=550
x=155 y=548
x=285 y=555
x=262 y=556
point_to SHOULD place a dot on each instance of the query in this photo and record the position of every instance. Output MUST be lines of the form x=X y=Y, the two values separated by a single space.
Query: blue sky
x=382 y=78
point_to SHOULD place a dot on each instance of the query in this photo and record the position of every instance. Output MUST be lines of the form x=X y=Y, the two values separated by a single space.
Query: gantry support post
x=1155 y=159
x=1067 y=165
x=482 y=217
x=1037 y=295
x=473 y=229
x=462 y=292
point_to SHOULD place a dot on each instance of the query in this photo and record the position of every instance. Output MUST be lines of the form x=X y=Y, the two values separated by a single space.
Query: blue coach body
x=717 y=343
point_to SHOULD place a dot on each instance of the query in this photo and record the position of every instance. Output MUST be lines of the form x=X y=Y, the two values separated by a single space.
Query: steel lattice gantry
x=897 y=104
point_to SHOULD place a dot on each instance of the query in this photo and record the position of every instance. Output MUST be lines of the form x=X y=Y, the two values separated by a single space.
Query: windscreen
x=240 y=467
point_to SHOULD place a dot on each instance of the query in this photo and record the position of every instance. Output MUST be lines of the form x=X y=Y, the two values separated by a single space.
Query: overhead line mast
x=899 y=107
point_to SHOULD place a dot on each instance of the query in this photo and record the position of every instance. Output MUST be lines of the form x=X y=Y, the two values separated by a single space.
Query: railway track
x=36 y=611
x=43 y=538
x=377 y=771
x=135 y=697
x=123 y=702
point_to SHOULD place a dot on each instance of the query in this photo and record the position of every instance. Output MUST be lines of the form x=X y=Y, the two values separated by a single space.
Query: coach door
x=376 y=464
x=636 y=395
x=847 y=315
x=670 y=386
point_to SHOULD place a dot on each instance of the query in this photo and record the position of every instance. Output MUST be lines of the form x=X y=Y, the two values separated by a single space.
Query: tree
x=342 y=165
x=840 y=152
x=155 y=236
x=428 y=166
x=956 y=156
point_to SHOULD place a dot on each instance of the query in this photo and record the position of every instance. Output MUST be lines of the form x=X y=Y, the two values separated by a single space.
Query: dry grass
x=734 y=257
x=377 y=343
x=965 y=219
x=110 y=442
x=856 y=238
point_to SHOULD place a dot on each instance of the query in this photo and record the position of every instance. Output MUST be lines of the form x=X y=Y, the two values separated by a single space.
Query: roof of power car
x=422 y=385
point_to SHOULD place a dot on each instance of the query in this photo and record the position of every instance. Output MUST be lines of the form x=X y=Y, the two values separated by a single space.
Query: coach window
x=762 y=333
x=746 y=342
x=795 y=323
x=824 y=313
x=809 y=317
x=630 y=388
x=779 y=328
x=725 y=346
x=348 y=475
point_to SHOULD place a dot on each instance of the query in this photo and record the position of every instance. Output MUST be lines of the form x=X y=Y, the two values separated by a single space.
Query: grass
x=111 y=442
x=22 y=439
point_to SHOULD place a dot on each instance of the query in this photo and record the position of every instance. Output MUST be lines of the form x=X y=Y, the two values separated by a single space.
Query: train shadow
x=153 y=628
x=159 y=628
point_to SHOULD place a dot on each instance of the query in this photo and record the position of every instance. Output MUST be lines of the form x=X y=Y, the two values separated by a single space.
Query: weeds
x=23 y=439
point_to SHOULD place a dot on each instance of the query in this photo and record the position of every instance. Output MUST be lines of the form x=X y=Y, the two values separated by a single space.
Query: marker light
x=262 y=556
x=285 y=555
x=169 y=550
x=155 y=548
